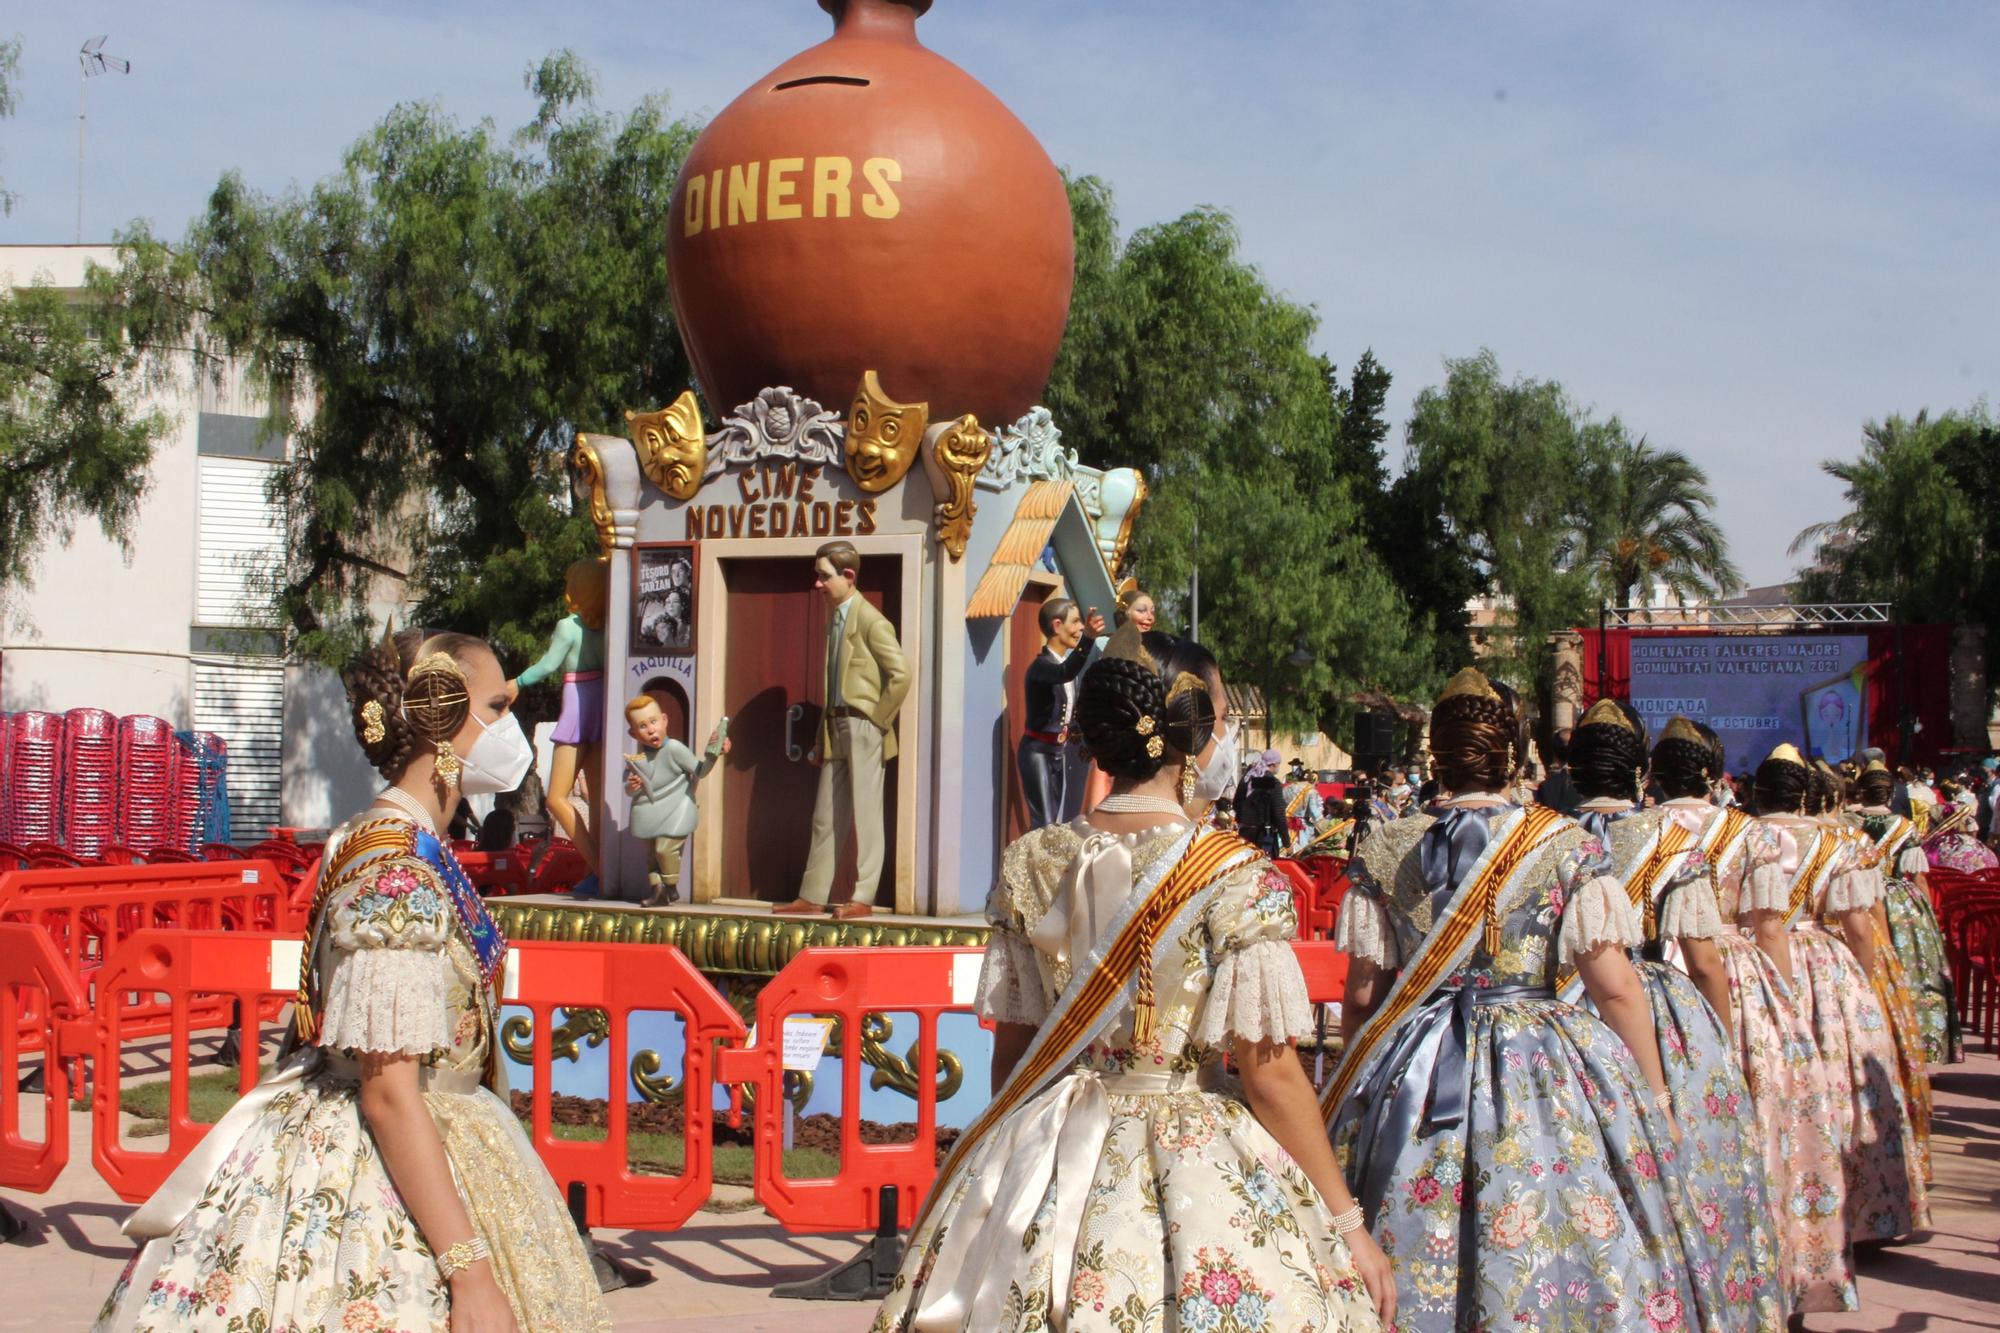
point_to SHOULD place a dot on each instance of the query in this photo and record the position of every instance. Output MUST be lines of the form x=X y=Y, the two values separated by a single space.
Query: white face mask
x=498 y=760
x=1218 y=776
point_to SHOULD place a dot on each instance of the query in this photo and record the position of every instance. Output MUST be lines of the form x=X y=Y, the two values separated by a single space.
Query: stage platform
x=733 y=937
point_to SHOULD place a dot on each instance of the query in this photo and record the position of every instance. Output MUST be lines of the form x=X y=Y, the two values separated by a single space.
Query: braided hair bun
x=1476 y=741
x=1133 y=721
x=1606 y=759
x=1781 y=786
x=394 y=719
x=1877 y=786
x=1683 y=767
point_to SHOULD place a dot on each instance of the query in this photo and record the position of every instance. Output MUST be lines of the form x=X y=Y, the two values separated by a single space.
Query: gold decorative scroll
x=587 y=473
x=673 y=450
x=954 y=452
x=722 y=943
x=883 y=435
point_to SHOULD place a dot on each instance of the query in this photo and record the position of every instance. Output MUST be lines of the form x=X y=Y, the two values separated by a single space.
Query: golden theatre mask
x=883 y=436
x=673 y=451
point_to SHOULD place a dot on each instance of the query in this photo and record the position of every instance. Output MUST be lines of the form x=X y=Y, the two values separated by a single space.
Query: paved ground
x=715 y=1273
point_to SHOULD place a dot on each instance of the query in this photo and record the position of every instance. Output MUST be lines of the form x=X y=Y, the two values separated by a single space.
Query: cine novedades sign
x=779 y=500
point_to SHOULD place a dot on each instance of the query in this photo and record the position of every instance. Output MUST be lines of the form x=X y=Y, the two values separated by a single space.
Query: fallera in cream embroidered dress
x=1137 y=1194
x=1502 y=1140
x=300 y=1228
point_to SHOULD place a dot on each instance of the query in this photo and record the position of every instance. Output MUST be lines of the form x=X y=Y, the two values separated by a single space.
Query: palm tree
x=1649 y=521
x=1910 y=533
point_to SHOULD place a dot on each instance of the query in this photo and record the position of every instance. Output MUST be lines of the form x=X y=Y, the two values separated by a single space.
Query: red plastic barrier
x=252 y=970
x=88 y=911
x=1330 y=885
x=622 y=979
x=1303 y=889
x=1326 y=970
x=850 y=983
x=561 y=868
x=202 y=976
x=36 y=990
x=496 y=874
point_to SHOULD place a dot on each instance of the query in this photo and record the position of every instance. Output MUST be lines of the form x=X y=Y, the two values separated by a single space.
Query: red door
x=774 y=685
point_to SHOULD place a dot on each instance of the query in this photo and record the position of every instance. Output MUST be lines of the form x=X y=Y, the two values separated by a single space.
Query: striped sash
x=1091 y=1002
x=1452 y=939
x=1805 y=887
x=1660 y=861
x=1894 y=836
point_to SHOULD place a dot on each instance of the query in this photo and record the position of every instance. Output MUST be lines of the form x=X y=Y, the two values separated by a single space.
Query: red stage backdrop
x=1919 y=654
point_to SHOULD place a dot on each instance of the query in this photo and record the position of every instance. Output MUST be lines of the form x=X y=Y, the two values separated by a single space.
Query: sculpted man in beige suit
x=866 y=679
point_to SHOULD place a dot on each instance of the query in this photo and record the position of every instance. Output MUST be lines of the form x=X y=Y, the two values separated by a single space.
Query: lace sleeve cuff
x=1010 y=985
x=1364 y=931
x=1765 y=889
x=1856 y=890
x=1691 y=912
x=1599 y=914
x=389 y=1001
x=1911 y=862
x=1259 y=994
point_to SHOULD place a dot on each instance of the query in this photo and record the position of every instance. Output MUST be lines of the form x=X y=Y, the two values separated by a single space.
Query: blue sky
x=1745 y=229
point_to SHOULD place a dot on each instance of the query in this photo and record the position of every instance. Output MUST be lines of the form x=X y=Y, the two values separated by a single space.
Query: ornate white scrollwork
x=777 y=423
x=1030 y=449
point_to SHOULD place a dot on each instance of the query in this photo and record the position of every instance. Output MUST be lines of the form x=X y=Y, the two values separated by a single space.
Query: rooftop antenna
x=94 y=62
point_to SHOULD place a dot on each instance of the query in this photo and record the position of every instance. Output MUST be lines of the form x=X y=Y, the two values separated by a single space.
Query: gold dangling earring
x=448 y=765
x=1638 y=786
x=1188 y=775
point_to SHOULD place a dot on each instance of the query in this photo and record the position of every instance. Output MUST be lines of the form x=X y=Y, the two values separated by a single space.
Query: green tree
x=1404 y=518
x=1651 y=521
x=1919 y=514
x=1498 y=467
x=76 y=435
x=434 y=323
x=1181 y=360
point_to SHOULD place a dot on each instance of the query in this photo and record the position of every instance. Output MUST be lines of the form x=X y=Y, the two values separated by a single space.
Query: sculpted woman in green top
x=576 y=649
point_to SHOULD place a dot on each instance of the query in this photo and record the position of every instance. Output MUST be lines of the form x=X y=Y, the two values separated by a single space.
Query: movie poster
x=1758 y=690
x=663 y=600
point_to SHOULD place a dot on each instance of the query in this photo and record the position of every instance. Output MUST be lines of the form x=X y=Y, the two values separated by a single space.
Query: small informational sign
x=965 y=976
x=805 y=1042
x=288 y=962
x=249 y=877
x=510 y=976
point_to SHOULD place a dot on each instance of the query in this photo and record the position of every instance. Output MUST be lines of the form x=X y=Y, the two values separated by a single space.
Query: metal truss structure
x=1787 y=616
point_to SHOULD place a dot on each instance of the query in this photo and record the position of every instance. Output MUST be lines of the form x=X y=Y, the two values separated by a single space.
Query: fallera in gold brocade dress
x=292 y=1222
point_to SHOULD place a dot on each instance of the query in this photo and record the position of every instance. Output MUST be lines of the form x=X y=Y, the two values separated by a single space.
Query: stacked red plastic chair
x=90 y=772
x=149 y=763
x=34 y=778
x=200 y=814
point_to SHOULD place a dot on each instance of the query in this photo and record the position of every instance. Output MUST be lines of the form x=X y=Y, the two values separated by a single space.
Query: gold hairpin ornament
x=1144 y=726
x=1155 y=747
x=374 y=723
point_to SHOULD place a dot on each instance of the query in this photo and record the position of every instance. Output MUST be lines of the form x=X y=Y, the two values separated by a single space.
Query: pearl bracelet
x=1664 y=1099
x=1347 y=1222
x=461 y=1257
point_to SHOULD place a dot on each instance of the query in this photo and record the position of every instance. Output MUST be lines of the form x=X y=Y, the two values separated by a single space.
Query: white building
x=178 y=628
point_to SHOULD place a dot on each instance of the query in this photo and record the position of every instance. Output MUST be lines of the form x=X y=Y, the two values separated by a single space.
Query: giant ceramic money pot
x=868 y=205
